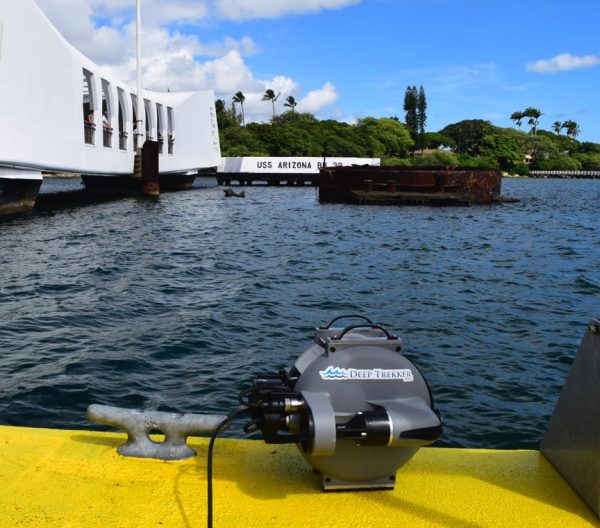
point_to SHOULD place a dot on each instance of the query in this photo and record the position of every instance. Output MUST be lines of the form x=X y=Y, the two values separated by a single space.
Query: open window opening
x=107 y=113
x=135 y=124
x=122 y=120
x=89 y=125
x=149 y=120
x=171 y=129
x=160 y=127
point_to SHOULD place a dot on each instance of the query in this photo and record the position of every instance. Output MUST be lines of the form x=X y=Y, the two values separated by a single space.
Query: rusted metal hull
x=18 y=196
x=409 y=185
x=176 y=182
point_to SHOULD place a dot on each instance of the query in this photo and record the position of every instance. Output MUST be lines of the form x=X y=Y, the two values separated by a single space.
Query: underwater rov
x=353 y=404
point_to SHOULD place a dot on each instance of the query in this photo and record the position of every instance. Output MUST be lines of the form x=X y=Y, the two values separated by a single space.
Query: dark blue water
x=177 y=304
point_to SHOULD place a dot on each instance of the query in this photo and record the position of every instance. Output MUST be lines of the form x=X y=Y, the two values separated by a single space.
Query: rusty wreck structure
x=409 y=185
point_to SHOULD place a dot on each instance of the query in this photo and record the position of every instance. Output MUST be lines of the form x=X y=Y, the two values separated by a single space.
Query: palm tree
x=291 y=103
x=572 y=128
x=270 y=96
x=534 y=115
x=557 y=126
x=517 y=117
x=239 y=98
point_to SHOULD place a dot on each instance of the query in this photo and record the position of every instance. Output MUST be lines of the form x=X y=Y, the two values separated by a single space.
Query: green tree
x=269 y=95
x=290 y=103
x=517 y=117
x=566 y=162
x=589 y=161
x=588 y=147
x=385 y=137
x=240 y=98
x=543 y=149
x=225 y=118
x=435 y=140
x=534 y=115
x=572 y=128
x=437 y=158
x=241 y=141
x=557 y=126
x=343 y=139
x=411 y=103
x=502 y=147
x=468 y=135
x=291 y=134
x=421 y=115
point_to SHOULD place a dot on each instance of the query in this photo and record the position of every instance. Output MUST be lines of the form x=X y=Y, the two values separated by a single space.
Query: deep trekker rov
x=355 y=406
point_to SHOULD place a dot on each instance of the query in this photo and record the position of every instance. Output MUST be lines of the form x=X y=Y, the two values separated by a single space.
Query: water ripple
x=177 y=304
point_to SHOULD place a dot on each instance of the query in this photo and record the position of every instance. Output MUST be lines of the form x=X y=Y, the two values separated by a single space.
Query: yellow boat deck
x=52 y=478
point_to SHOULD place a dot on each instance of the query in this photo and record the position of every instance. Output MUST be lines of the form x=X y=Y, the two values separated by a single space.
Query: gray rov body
x=358 y=409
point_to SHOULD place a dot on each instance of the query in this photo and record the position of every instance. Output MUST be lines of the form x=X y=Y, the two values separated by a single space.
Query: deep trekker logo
x=341 y=374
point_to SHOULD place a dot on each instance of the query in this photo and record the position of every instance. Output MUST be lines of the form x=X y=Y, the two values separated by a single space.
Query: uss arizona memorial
x=53 y=101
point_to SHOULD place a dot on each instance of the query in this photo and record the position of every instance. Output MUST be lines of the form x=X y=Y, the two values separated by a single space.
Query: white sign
x=291 y=165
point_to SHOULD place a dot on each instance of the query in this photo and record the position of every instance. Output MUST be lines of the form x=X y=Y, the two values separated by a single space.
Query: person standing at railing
x=88 y=127
x=106 y=123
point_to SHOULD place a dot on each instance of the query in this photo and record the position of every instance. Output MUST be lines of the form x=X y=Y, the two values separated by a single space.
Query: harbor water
x=176 y=304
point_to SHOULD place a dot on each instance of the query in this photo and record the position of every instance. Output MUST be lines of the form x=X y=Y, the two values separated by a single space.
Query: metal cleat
x=139 y=424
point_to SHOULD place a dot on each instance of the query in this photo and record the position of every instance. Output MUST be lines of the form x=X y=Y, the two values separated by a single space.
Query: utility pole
x=140 y=97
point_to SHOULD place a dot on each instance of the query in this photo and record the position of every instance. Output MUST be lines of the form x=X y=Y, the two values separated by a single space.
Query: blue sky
x=346 y=59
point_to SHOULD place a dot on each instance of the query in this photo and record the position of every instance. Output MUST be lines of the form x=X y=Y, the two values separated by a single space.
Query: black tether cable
x=209 y=470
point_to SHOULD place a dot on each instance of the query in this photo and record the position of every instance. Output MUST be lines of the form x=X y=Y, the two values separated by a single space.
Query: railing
x=107 y=136
x=89 y=130
x=564 y=174
x=123 y=140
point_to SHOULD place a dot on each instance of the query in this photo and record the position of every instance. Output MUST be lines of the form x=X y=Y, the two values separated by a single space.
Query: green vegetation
x=239 y=97
x=468 y=143
x=415 y=108
x=270 y=96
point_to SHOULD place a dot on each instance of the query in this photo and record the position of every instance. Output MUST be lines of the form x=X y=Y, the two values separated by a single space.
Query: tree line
x=467 y=143
x=534 y=114
x=269 y=95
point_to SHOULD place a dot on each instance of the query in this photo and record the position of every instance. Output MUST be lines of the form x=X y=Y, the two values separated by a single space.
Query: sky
x=349 y=59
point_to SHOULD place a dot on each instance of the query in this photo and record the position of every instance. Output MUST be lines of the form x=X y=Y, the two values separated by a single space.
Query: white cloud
x=229 y=74
x=104 y=30
x=318 y=99
x=244 y=9
x=189 y=11
x=563 y=62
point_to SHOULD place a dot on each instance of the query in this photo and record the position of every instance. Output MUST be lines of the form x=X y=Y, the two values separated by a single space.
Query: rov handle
x=372 y=326
x=347 y=317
